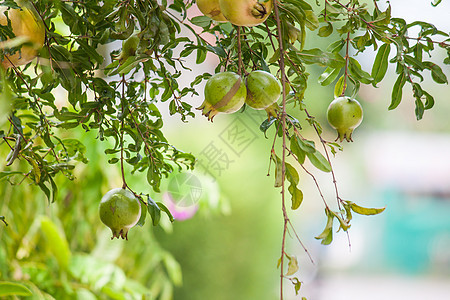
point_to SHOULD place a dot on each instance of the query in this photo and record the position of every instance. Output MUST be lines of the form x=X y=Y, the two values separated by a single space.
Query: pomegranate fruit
x=211 y=8
x=224 y=92
x=129 y=47
x=28 y=29
x=246 y=12
x=344 y=114
x=120 y=210
x=263 y=90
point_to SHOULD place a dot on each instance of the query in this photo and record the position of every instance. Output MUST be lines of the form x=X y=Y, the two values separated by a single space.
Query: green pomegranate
x=119 y=210
x=344 y=114
x=263 y=90
x=225 y=93
x=129 y=47
x=211 y=8
x=246 y=12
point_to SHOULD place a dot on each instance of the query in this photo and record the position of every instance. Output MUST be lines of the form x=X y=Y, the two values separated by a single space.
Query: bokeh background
x=226 y=240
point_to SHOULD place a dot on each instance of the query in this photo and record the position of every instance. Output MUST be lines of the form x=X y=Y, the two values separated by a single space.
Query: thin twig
x=283 y=158
x=122 y=100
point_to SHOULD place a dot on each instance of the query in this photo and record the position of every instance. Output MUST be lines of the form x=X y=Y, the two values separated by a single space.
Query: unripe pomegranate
x=246 y=12
x=224 y=92
x=129 y=47
x=25 y=25
x=211 y=8
x=119 y=210
x=263 y=89
x=344 y=114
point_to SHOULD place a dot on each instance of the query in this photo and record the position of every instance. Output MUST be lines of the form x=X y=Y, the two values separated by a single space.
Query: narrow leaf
x=292 y=265
x=339 y=87
x=326 y=30
x=166 y=210
x=154 y=211
x=9 y=288
x=397 y=91
x=328 y=76
x=358 y=72
x=429 y=103
x=319 y=161
x=381 y=62
x=311 y=20
x=295 y=148
x=278 y=170
x=297 y=196
x=437 y=74
x=297 y=285
x=141 y=221
x=321 y=58
x=305 y=145
x=291 y=174
x=327 y=234
x=366 y=211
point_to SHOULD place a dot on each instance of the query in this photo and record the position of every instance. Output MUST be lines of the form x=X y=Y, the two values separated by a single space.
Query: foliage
x=64 y=251
x=118 y=96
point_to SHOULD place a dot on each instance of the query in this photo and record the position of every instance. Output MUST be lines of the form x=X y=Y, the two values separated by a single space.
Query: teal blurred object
x=415 y=226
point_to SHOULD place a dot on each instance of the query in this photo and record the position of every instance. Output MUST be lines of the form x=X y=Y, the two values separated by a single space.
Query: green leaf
x=292 y=265
x=141 y=221
x=381 y=63
x=295 y=148
x=7 y=174
x=319 y=161
x=348 y=210
x=429 y=103
x=321 y=58
x=420 y=109
x=297 y=285
x=358 y=72
x=355 y=88
x=292 y=174
x=154 y=211
x=53 y=184
x=339 y=87
x=343 y=224
x=202 y=21
x=397 y=91
x=166 y=210
x=275 y=57
x=278 y=170
x=90 y=51
x=305 y=145
x=201 y=56
x=328 y=76
x=46 y=191
x=9 y=288
x=311 y=20
x=366 y=211
x=56 y=242
x=326 y=30
x=153 y=176
x=297 y=196
x=265 y=125
x=436 y=73
x=327 y=234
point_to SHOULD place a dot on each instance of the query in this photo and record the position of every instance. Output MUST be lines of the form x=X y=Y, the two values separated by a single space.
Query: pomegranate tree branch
x=283 y=157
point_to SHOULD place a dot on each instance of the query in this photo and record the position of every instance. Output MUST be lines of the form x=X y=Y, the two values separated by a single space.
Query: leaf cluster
x=114 y=98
